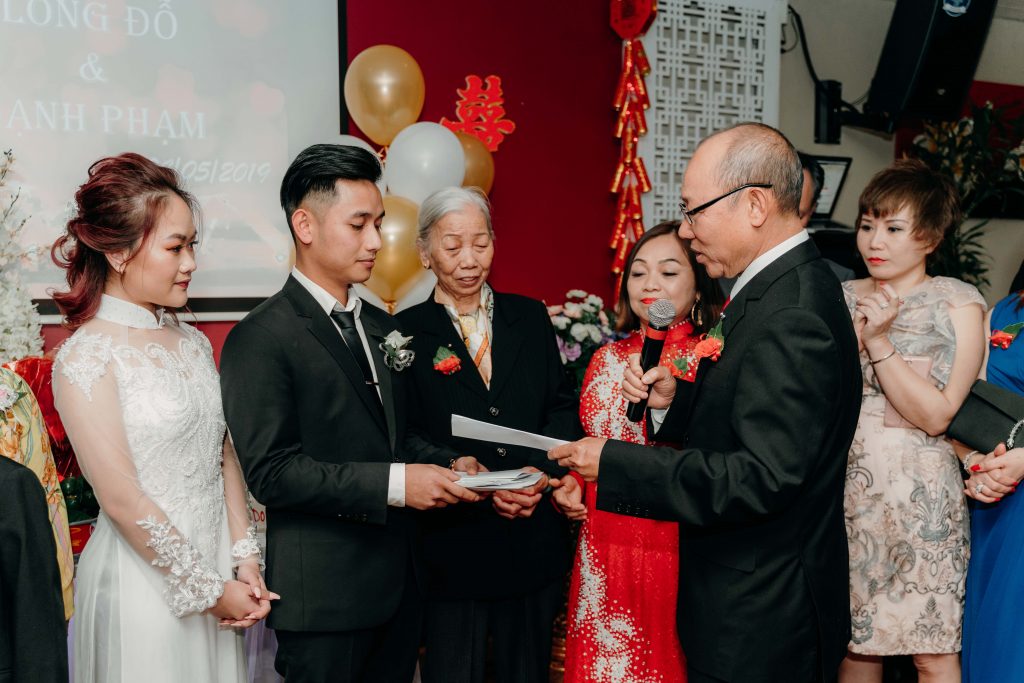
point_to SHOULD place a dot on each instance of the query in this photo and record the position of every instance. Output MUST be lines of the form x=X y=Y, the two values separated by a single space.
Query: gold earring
x=695 y=314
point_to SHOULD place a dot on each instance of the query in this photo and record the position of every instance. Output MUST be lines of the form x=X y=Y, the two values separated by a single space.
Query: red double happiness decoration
x=630 y=19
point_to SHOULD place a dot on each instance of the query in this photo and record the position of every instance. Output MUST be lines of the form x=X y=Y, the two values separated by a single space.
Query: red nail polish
x=975 y=468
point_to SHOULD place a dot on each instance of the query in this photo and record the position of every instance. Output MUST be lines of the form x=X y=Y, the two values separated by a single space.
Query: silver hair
x=450 y=200
x=758 y=153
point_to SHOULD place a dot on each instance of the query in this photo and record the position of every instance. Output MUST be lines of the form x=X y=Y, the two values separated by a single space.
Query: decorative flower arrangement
x=19 y=320
x=982 y=153
x=446 y=362
x=582 y=326
x=396 y=355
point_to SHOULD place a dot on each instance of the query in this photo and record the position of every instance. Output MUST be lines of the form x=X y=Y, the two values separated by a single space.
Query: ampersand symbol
x=91 y=71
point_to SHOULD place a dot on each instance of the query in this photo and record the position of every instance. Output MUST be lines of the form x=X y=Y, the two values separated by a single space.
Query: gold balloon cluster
x=384 y=92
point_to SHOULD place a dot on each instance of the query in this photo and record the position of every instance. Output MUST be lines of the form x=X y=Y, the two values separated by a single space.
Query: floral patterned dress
x=23 y=439
x=906 y=518
x=622 y=596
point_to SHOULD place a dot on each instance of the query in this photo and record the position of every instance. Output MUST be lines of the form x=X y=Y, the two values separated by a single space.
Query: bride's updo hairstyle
x=115 y=211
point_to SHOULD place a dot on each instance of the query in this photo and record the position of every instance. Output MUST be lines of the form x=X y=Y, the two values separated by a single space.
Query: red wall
x=559 y=63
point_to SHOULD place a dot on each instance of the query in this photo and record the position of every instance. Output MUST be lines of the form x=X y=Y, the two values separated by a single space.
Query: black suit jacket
x=316 y=451
x=471 y=551
x=758 y=485
x=33 y=640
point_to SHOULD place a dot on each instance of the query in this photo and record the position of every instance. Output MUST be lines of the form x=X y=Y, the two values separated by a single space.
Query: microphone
x=660 y=315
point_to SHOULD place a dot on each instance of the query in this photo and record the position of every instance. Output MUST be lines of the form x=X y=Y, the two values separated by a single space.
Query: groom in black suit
x=317 y=413
x=758 y=484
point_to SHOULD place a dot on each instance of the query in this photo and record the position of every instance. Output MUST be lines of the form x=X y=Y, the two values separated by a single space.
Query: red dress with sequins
x=622 y=598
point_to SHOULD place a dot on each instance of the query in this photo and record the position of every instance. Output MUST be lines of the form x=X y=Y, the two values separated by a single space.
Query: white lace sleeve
x=189 y=585
x=247 y=548
x=240 y=522
x=88 y=397
x=83 y=359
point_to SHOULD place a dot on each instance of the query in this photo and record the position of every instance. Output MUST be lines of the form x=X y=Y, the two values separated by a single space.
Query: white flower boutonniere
x=396 y=355
x=8 y=397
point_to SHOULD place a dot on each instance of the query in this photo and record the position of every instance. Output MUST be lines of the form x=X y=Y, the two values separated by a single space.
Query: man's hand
x=583 y=456
x=657 y=385
x=469 y=465
x=568 y=495
x=520 y=502
x=430 y=486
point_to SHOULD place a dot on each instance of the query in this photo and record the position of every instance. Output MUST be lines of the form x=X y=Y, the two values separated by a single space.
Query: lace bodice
x=140 y=397
x=173 y=420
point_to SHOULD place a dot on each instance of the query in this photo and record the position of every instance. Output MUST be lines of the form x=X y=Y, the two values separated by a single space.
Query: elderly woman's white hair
x=446 y=201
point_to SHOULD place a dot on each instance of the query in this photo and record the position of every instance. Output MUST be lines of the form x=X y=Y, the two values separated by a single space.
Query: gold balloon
x=384 y=91
x=479 y=162
x=398 y=262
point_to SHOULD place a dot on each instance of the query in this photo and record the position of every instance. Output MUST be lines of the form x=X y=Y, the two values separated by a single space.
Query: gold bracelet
x=885 y=357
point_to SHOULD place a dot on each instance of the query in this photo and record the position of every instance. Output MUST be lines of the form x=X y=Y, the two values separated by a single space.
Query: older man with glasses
x=765 y=429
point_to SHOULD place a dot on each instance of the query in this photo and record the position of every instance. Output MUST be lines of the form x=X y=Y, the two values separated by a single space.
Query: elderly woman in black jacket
x=493 y=357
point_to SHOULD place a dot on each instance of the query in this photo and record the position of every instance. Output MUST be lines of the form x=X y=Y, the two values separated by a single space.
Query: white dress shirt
x=766 y=259
x=755 y=267
x=396 y=475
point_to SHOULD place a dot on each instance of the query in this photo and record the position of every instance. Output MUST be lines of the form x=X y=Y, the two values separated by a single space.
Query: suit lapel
x=444 y=329
x=506 y=342
x=752 y=291
x=374 y=334
x=324 y=330
x=755 y=289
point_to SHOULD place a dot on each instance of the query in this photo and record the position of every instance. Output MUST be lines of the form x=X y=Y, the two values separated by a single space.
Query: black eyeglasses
x=689 y=213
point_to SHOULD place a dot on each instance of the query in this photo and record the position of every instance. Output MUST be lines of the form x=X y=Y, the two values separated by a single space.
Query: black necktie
x=347 y=322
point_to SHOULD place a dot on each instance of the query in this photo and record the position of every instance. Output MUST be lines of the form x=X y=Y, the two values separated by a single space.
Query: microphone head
x=661 y=313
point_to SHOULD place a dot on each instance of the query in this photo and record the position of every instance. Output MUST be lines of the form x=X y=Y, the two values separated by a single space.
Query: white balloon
x=353 y=141
x=422 y=159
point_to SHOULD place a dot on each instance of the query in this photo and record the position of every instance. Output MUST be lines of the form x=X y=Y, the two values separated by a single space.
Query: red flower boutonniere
x=709 y=346
x=446 y=362
x=1001 y=339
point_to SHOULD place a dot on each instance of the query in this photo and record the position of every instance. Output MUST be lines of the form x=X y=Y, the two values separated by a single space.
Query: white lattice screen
x=713 y=63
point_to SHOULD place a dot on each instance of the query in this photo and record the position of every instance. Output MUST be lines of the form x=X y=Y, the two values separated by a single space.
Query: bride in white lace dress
x=139 y=395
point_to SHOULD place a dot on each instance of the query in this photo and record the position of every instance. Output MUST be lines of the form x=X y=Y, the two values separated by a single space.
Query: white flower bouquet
x=582 y=326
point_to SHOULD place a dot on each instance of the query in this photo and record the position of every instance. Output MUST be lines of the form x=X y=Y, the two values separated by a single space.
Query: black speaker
x=928 y=61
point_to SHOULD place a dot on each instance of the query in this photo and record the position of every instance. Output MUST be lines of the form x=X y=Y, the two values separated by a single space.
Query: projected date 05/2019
x=214 y=171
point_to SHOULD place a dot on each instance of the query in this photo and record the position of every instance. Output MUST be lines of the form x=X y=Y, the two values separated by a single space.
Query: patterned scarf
x=474 y=328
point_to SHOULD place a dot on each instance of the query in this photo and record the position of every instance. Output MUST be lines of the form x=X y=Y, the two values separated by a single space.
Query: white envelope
x=468 y=428
x=495 y=481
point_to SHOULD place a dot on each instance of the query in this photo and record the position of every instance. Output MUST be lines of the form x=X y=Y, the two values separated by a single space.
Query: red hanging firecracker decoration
x=630 y=19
